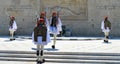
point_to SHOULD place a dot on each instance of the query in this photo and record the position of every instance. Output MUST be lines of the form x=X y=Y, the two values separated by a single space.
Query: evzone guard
x=55 y=26
x=12 y=27
x=41 y=37
x=106 y=27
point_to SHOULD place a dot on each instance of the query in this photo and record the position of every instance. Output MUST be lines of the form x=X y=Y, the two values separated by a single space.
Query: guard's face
x=42 y=15
x=12 y=19
x=54 y=15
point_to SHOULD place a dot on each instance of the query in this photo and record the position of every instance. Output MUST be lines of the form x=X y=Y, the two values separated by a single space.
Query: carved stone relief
x=68 y=9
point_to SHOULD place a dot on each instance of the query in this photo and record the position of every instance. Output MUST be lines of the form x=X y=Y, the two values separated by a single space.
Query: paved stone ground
x=10 y=62
x=62 y=45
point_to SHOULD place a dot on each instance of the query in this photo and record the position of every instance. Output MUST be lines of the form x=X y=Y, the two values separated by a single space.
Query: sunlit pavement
x=84 y=44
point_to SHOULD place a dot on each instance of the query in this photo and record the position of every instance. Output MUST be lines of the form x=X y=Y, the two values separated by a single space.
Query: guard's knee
x=41 y=53
x=37 y=53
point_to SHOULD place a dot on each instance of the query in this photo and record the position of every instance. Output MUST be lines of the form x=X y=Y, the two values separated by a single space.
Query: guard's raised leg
x=54 y=42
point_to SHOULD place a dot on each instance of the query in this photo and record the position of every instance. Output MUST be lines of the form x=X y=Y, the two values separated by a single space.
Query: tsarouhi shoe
x=13 y=38
x=10 y=39
x=40 y=62
x=106 y=41
x=43 y=60
x=53 y=46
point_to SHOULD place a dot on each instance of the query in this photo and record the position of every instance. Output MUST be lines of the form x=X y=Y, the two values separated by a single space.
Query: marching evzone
x=43 y=15
x=12 y=27
x=106 y=27
x=55 y=27
x=40 y=37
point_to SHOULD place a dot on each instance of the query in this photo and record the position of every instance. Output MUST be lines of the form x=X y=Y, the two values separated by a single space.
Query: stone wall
x=25 y=12
x=83 y=17
x=98 y=9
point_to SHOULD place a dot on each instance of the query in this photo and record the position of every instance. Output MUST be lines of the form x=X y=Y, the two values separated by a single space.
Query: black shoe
x=53 y=46
x=106 y=41
x=43 y=60
x=11 y=39
x=39 y=62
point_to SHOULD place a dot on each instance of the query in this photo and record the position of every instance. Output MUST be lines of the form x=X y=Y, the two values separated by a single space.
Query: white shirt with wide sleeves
x=56 y=30
x=48 y=40
x=14 y=26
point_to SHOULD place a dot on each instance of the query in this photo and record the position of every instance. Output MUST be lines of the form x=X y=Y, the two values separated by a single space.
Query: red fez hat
x=40 y=20
x=106 y=17
x=12 y=17
x=54 y=13
x=42 y=13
